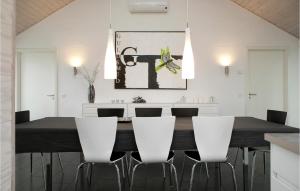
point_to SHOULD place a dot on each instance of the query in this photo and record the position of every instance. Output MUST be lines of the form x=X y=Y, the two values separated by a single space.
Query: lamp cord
x=110 y=14
x=187 y=13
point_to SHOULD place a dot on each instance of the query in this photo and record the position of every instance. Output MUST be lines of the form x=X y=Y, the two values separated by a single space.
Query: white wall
x=216 y=25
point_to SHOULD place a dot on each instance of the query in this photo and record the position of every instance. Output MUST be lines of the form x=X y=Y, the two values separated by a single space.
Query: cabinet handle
x=251 y=94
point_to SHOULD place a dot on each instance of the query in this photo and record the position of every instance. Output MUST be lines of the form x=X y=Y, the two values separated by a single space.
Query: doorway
x=267 y=82
x=36 y=82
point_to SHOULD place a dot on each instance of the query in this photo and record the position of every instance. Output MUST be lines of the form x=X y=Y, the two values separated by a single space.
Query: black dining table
x=59 y=134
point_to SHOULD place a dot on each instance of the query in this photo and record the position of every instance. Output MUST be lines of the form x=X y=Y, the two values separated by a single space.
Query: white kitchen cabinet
x=284 y=161
x=90 y=110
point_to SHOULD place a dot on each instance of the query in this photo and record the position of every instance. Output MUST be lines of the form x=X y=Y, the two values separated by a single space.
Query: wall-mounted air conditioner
x=148 y=6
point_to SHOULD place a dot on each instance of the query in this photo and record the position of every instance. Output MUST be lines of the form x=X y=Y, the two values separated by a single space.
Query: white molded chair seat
x=212 y=137
x=97 y=138
x=153 y=136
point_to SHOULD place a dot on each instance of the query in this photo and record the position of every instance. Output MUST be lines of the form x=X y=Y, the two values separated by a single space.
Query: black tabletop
x=59 y=134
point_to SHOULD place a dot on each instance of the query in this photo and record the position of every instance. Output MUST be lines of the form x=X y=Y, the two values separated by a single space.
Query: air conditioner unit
x=148 y=6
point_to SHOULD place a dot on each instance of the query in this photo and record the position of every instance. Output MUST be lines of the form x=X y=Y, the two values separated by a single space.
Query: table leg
x=49 y=175
x=245 y=168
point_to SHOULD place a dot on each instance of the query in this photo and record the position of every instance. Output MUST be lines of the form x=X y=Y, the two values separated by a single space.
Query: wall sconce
x=225 y=60
x=75 y=62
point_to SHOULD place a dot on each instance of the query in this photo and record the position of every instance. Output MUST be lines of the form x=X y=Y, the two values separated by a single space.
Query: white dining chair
x=212 y=137
x=97 y=138
x=153 y=136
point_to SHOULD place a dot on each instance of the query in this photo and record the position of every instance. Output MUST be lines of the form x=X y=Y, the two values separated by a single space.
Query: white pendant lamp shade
x=188 y=63
x=110 y=63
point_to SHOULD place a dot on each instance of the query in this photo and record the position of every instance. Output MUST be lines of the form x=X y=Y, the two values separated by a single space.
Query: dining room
x=149 y=95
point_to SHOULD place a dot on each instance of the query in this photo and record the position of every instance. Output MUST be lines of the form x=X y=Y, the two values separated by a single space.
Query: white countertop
x=288 y=141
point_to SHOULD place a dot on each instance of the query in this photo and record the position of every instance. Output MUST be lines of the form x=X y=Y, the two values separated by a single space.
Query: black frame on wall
x=125 y=88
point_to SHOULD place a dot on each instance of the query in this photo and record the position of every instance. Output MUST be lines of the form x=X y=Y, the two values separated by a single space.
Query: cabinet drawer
x=208 y=110
x=163 y=114
x=90 y=110
x=278 y=184
x=285 y=165
x=166 y=108
x=90 y=115
x=203 y=109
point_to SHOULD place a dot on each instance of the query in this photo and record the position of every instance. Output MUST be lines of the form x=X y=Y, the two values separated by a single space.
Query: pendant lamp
x=110 y=63
x=188 y=63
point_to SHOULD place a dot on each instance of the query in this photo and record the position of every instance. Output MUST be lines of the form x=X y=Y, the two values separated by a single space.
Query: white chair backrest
x=153 y=136
x=97 y=137
x=212 y=136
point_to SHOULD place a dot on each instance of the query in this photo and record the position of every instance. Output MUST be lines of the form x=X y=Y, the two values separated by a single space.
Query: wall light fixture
x=225 y=60
x=75 y=62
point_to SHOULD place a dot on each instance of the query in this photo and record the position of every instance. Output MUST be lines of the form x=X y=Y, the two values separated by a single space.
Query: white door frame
x=247 y=76
x=19 y=52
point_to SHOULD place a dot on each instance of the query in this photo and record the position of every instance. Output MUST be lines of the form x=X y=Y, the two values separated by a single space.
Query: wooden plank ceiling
x=282 y=13
x=30 y=12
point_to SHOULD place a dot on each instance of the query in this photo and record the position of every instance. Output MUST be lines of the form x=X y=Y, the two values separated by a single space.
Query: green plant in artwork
x=167 y=61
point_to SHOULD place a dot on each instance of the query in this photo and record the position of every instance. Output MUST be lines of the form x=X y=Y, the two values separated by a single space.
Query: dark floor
x=148 y=178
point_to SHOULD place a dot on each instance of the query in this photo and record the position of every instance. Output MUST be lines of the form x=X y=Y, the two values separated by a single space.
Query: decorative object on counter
x=182 y=100
x=91 y=95
x=117 y=101
x=90 y=79
x=197 y=100
x=211 y=99
x=138 y=99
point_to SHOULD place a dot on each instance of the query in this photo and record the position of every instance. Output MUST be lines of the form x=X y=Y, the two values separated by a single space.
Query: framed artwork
x=149 y=60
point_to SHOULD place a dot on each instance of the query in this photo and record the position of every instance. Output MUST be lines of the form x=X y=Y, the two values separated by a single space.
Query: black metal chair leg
x=182 y=171
x=236 y=157
x=91 y=173
x=30 y=163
